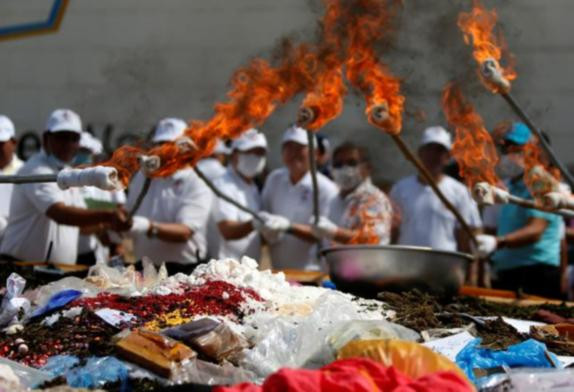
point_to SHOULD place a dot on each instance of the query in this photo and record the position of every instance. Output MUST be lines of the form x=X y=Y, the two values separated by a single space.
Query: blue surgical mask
x=82 y=158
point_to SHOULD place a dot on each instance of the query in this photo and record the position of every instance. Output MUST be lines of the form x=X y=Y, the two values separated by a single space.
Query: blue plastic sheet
x=530 y=353
x=57 y=301
x=59 y=365
x=97 y=372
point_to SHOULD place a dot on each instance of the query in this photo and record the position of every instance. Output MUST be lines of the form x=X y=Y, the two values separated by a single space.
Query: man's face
x=296 y=157
x=351 y=158
x=7 y=152
x=435 y=157
x=63 y=145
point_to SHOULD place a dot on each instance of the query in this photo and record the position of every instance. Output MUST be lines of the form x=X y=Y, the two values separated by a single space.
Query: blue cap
x=519 y=134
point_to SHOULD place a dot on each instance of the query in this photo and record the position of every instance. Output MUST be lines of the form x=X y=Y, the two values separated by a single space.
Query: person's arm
x=170 y=232
x=303 y=232
x=81 y=217
x=527 y=235
x=234 y=230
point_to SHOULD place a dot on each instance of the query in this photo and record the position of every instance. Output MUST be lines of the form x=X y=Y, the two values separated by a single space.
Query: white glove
x=140 y=225
x=486 y=244
x=273 y=226
x=324 y=228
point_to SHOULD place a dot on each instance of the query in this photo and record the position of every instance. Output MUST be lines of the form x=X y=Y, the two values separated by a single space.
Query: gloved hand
x=140 y=225
x=273 y=226
x=324 y=228
x=486 y=244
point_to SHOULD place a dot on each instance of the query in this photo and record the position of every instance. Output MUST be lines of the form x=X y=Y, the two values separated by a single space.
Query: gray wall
x=130 y=62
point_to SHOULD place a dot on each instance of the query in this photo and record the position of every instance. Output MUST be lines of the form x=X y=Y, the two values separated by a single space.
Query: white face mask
x=347 y=177
x=510 y=166
x=250 y=165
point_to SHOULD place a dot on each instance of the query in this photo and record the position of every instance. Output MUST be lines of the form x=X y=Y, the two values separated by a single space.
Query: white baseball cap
x=7 y=130
x=168 y=130
x=249 y=140
x=64 y=120
x=221 y=148
x=89 y=142
x=438 y=135
x=296 y=134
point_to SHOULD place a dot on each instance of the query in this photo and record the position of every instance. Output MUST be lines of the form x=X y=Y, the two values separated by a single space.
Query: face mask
x=347 y=177
x=510 y=166
x=82 y=158
x=250 y=165
x=57 y=162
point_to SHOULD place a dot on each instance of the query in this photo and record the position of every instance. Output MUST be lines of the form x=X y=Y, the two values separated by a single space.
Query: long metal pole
x=223 y=196
x=313 y=170
x=430 y=180
x=141 y=197
x=28 y=179
x=552 y=155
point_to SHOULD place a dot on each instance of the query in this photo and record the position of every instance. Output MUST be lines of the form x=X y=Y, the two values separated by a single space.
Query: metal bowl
x=366 y=270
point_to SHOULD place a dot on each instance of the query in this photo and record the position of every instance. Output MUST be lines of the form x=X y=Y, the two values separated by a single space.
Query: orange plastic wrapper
x=412 y=359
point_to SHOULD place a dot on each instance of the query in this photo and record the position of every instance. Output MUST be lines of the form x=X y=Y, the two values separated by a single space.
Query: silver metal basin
x=366 y=270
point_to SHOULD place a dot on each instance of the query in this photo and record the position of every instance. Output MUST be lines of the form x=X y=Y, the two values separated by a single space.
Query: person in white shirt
x=361 y=213
x=9 y=165
x=91 y=248
x=215 y=165
x=45 y=221
x=425 y=221
x=171 y=223
x=288 y=192
x=238 y=229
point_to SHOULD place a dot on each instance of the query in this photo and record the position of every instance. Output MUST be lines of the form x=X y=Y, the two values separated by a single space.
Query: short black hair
x=363 y=151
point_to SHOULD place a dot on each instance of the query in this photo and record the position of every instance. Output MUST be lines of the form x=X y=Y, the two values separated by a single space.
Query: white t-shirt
x=6 y=192
x=212 y=168
x=232 y=185
x=182 y=198
x=425 y=221
x=295 y=202
x=29 y=230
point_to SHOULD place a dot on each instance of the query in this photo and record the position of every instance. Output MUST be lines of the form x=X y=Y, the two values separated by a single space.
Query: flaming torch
x=478 y=28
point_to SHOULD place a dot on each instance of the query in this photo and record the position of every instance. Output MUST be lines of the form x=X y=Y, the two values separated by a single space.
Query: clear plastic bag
x=526 y=380
x=14 y=306
x=57 y=301
x=293 y=341
x=46 y=292
x=29 y=377
x=205 y=373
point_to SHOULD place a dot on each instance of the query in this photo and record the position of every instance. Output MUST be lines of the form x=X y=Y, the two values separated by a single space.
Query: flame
x=478 y=28
x=539 y=178
x=473 y=147
x=365 y=233
x=366 y=73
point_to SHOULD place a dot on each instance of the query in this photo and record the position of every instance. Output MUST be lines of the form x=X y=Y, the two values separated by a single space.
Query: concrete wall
x=130 y=62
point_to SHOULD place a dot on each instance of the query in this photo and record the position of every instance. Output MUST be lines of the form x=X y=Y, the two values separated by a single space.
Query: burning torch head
x=486 y=194
x=186 y=144
x=492 y=73
x=149 y=163
x=553 y=200
x=306 y=116
x=379 y=114
x=103 y=177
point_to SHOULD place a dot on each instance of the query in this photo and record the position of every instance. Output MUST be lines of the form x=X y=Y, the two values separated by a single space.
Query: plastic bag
x=29 y=377
x=97 y=372
x=124 y=281
x=70 y=283
x=530 y=353
x=526 y=380
x=211 y=338
x=354 y=375
x=57 y=301
x=293 y=341
x=205 y=373
x=411 y=358
x=59 y=365
x=14 y=306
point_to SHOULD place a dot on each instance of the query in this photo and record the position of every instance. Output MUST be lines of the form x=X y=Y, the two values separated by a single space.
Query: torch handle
x=427 y=176
x=140 y=198
x=223 y=196
x=28 y=179
x=313 y=170
x=552 y=155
